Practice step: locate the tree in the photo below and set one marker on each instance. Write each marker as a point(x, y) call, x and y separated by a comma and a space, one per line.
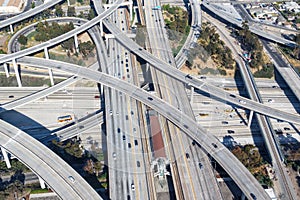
point(71, 11)
point(33, 5)
point(22, 39)
point(85, 48)
point(58, 11)
point(98, 167)
point(91, 14)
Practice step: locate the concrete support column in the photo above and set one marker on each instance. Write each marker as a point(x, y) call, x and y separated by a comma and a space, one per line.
point(49, 70)
point(102, 90)
point(42, 183)
point(6, 69)
point(6, 159)
point(101, 27)
point(250, 118)
point(11, 28)
point(192, 94)
point(130, 9)
point(76, 43)
point(46, 53)
point(17, 73)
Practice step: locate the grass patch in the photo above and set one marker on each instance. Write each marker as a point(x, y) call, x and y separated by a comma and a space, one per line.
point(39, 191)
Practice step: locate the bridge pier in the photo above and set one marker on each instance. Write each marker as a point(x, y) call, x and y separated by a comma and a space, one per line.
point(11, 28)
point(6, 158)
point(42, 183)
point(192, 95)
point(101, 27)
point(6, 69)
point(250, 118)
point(17, 73)
point(76, 44)
point(131, 9)
point(49, 69)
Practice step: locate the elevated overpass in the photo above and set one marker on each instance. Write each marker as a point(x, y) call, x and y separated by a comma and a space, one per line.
point(221, 154)
point(62, 178)
point(29, 13)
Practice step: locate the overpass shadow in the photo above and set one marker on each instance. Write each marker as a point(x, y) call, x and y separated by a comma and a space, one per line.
point(70, 150)
point(241, 87)
point(287, 91)
point(24, 123)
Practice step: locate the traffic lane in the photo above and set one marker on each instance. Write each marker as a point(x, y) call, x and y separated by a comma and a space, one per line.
point(62, 37)
point(197, 83)
point(188, 125)
point(41, 161)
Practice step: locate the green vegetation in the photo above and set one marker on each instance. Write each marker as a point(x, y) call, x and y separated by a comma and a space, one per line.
point(22, 40)
point(250, 43)
point(86, 48)
point(39, 191)
point(209, 44)
point(16, 166)
point(71, 11)
point(58, 10)
point(46, 31)
point(253, 161)
point(176, 20)
point(27, 81)
point(91, 14)
point(267, 71)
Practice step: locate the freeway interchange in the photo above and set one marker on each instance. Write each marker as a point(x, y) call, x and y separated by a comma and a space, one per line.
point(119, 106)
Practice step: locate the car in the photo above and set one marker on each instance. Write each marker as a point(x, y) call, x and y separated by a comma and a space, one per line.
point(129, 145)
point(126, 117)
point(274, 86)
point(124, 137)
point(132, 187)
point(189, 76)
point(224, 122)
point(96, 96)
point(150, 98)
point(194, 142)
point(214, 145)
point(187, 155)
point(81, 127)
point(119, 130)
point(72, 179)
point(200, 165)
point(253, 196)
point(114, 155)
point(135, 142)
point(230, 131)
point(270, 100)
point(11, 96)
point(232, 95)
point(286, 128)
point(138, 163)
point(242, 101)
point(202, 77)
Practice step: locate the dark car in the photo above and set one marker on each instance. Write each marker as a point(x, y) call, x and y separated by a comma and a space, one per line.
point(187, 155)
point(214, 145)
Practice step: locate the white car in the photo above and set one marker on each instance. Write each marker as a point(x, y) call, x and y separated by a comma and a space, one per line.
point(72, 179)
point(114, 155)
point(132, 187)
point(270, 100)
point(242, 102)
